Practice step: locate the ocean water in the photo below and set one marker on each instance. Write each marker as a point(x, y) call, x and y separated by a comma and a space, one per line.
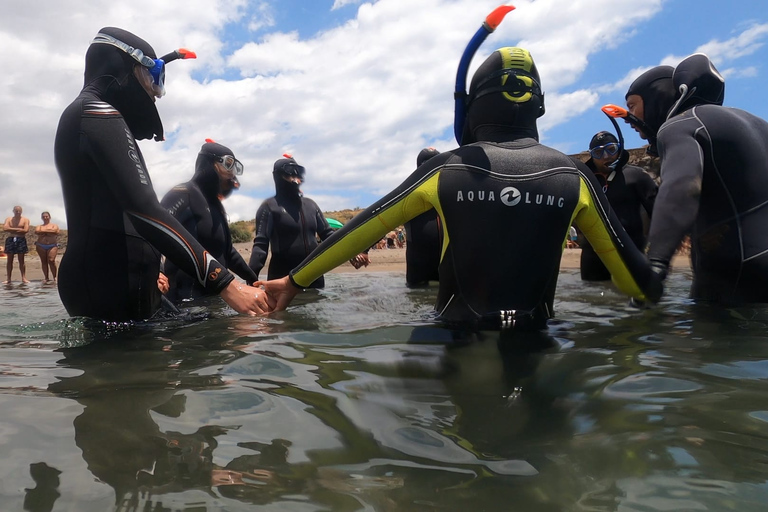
point(353, 400)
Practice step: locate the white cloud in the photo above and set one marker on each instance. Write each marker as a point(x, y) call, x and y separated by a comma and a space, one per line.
point(354, 103)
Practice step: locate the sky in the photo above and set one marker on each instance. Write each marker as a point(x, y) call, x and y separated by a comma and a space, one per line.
point(352, 89)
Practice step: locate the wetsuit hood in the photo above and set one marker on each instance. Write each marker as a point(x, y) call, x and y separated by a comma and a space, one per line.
point(601, 139)
point(697, 82)
point(505, 98)
point(425, 154)
point(658, 93)
point(283, 187)
point(109, 74)
point(206, 176)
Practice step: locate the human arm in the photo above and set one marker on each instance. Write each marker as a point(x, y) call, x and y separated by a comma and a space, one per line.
point(261, 238)
point(677, 202)
point(630, 270)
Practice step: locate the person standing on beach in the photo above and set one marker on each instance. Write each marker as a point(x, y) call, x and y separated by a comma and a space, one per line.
point(628, 189)
point(47, 246)
point(197, 205)
point(117, 227)
point(289, 225)
point(714, 179)
point(506, 204)
point(17, 228)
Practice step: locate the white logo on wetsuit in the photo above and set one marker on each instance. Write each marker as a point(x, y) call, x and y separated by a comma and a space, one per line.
point(510, 196)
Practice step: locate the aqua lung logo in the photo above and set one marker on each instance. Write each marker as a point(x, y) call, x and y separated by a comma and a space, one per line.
point(509, 196)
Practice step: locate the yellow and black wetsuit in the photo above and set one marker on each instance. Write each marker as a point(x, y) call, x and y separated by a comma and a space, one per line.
point(505, 211)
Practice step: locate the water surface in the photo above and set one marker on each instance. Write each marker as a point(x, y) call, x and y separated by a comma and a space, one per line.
point(353, 400)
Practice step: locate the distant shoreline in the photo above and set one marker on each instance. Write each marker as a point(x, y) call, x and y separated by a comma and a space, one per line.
point(382, 260)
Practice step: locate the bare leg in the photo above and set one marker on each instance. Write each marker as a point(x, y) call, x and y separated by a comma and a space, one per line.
point(23, 268)
point(43, 260)
point(9, 268)
point(52, 262)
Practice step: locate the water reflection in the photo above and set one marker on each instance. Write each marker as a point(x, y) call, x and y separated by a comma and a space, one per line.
point(613, 408)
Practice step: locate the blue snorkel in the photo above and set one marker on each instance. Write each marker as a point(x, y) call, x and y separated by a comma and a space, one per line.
point(492, 21)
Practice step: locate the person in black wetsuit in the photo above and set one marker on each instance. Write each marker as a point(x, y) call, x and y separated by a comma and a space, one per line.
point(714, 179)
point(628, 188)
point(505, 202)
point(289, 225)
point(197, 205)
point(117, 227)
point(422, 240)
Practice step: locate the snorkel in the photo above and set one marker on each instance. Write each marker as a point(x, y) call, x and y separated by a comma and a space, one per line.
point(607, 110)
point(615, 111)
point(492, 21)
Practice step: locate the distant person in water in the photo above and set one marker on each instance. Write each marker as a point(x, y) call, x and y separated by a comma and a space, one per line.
point(628, 189)
point(506, 204)
point(117, 228)
point(197, 205)
point(714, 179)
point(423, 242)
point(289, 224)
point(17, 228)
point(47, 246)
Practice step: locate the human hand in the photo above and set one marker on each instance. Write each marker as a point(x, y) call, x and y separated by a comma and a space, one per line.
point(248, 300)
point(280, 291)
point(163, 284)
point(361, 260)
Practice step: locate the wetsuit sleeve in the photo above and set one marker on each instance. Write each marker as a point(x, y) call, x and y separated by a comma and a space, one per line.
point(238, 265)
point(646, 191)
point(261, 239)
point(324, 230)
point(630, 270)
point(414, 196)
point(113, 148)
point(677, 204)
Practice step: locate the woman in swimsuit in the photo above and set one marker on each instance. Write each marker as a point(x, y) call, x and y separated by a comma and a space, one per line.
point(47, 246)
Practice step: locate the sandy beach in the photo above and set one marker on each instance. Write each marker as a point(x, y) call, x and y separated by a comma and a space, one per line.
point(382, 260)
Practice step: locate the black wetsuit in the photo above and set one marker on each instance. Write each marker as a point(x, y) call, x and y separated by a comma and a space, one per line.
point(714, 185)
point(117, 227)
point(506, 209)
point(423, 246)
point(197, 206)
point(287, 224)
point(629, 189)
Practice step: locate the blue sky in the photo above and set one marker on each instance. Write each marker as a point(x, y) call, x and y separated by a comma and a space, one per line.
point(352, 89)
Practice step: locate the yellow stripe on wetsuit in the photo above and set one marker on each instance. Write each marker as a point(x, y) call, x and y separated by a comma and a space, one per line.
point(381, 222)
point(587, 217)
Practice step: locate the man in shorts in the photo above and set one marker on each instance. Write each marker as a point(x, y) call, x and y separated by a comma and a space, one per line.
point(16, 242)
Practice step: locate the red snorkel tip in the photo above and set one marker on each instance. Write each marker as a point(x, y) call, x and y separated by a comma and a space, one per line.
point(614, 111)
point(210, 141)
point(287, 155)
point(186, 54)
point(494, 19)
